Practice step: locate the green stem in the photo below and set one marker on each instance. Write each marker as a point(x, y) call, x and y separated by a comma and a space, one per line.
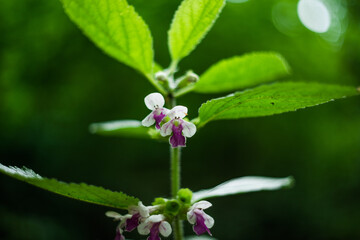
point(175, 171)
point(156, 84)
point(175, 154)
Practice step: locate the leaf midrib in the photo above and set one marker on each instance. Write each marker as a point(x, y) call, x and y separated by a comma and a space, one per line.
point(245, 101)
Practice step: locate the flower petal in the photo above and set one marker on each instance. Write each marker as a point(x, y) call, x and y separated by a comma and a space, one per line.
point(132, 222)
point(178, 111)
point(165, 228)
point(154, 100)
point(166, 129)
point(154, 232)
point(189, 129)
point(113, 214)
point(156, 218)
point(200, 226)
point(191, 217)
point(202, 205)
point(177, 139)
point(144, 228)
point(149, 120)
point(119, 235)
point(209, 221)
point(144, 211)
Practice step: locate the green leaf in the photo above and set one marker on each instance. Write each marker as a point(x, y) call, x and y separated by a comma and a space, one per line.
point(244, 185)
point(125, 128)
point(191, 22)
point(241, 72)
point(271, 99)
point(82, 191)
point(115, 27)
point(199, 238)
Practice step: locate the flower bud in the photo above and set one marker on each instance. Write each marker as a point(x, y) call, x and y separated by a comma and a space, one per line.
point(192, 77)
point(185, 195)
point(161, 76)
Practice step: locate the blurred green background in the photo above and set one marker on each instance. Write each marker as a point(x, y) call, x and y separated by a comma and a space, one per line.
point(54, 82)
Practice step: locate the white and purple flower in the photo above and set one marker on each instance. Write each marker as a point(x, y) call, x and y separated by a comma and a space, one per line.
point(120, 228)
point(130, 221)
point(201, 221)
point(155, 225)
point(155, 102)
point(179, 128)
point(137, 213)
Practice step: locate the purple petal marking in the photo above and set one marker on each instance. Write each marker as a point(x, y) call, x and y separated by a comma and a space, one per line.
point(177, 139)
point(154, 232)
point(132, 222)
point(158, 117)
point(118, 235)
point(200, 227)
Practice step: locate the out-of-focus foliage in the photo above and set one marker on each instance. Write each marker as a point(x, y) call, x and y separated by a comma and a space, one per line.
point(242, 72)
point(244, 185)
point(54, 82)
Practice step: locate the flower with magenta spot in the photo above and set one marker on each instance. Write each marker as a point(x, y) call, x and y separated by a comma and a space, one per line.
point(179, 128)
point(137, 213)
point(130, 221)
point(155, 102)
point(155, 225)
point(201, 221)
point(122, 225)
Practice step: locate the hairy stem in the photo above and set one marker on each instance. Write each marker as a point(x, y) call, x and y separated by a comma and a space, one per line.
point(175, 156)
point(175, 171)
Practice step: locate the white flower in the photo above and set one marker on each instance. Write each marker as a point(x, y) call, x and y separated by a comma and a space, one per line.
point(155, 102)
point(154, 225)
point(201, 221)
point(179, 128)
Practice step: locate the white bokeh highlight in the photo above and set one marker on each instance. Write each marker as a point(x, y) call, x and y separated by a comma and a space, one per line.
point(314, 15)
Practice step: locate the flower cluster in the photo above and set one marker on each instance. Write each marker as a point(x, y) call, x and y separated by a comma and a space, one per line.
point(169, 122)
point(139, 217)
point(148, 223)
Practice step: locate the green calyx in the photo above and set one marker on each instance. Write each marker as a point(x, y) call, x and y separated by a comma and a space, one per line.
point(175, 207)
point(172, 207)
point(185, 195)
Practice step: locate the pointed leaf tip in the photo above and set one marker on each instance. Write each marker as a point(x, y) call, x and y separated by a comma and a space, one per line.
point(191, 22)
point(82, 191)
point(241, 72)
point(116, 28)
point(271, 99)
point(244, 185)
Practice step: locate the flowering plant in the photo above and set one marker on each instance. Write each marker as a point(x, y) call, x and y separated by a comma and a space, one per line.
point(115, 27)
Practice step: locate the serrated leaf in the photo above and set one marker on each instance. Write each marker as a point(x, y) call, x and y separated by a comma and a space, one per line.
point(191, 22)
point(244, 185)
point(82, 191)
point(271, 99)
point(115, 27)
point(241, 72)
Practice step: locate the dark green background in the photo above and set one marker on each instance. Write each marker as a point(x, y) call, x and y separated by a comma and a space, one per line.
point(54, 82)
